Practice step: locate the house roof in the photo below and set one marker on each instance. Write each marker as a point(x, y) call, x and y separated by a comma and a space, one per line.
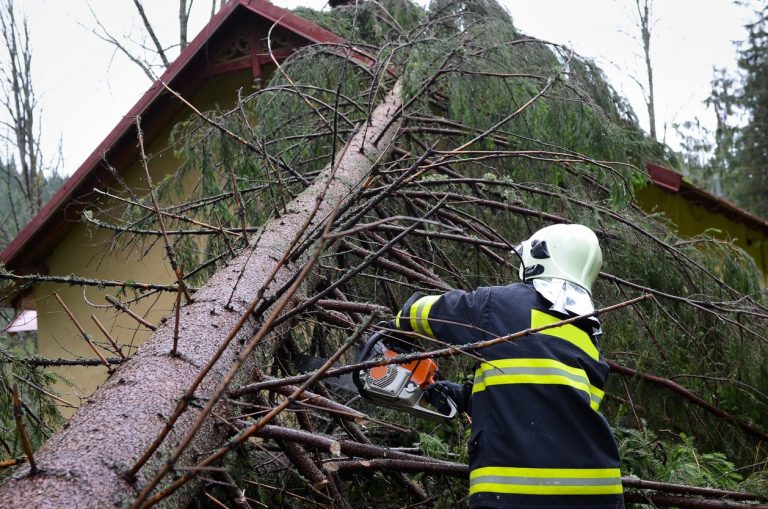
point(30, 247)
point(674, 182)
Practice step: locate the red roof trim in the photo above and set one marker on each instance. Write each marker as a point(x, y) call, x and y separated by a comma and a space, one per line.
point(291, 21)
point(673, 181)
point(36, 227)
point(664, 177)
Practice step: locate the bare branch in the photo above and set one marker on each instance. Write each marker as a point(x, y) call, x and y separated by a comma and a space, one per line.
point(151, 31)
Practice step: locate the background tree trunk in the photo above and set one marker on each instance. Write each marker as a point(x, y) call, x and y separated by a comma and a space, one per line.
point(26, 180)
point(644, 22)
point(84, 465)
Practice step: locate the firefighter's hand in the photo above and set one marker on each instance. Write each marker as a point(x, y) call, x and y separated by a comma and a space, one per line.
point(394, 338)
point(438, 394)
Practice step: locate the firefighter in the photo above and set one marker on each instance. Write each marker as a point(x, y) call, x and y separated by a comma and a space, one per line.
point(538, 440)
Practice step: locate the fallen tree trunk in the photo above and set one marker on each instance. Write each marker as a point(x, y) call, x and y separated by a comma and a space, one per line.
point(86, 463)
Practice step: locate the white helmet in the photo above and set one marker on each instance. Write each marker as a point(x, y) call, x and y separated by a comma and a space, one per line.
point(564, 251)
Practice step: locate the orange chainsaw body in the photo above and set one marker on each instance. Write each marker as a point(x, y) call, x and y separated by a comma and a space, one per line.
point(398, 386)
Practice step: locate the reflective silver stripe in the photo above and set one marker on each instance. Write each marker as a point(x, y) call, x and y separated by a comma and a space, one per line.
point(418, 315)
point(485, 375)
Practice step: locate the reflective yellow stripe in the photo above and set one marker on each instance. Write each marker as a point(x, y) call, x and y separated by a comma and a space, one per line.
point(419, 314)
point(548, 473)
point(525, 489)
point(535, 371)
point(546, 481)
point(567, 332)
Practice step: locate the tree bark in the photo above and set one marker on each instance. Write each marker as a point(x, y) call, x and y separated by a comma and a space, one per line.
point(84, 464)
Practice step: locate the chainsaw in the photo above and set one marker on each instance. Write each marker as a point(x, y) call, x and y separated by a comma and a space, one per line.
point(398, 386)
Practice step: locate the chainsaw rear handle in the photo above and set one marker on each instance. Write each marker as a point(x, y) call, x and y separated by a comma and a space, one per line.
point(445, 395)
point(448, 410)
point(365, 354)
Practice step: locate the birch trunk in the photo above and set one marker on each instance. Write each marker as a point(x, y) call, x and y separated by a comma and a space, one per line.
point(84, 464)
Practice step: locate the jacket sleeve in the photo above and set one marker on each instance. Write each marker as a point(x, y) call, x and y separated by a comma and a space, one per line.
point(454, 317)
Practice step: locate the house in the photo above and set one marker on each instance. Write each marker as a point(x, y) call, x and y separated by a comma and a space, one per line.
point(695, 211)
point(229, 54)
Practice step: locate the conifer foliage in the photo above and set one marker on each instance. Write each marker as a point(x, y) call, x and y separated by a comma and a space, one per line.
point(730, 161)
point(752, 149)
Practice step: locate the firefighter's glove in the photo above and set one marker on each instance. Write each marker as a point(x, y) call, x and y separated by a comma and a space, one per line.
point(438, 394)
point(394, 339)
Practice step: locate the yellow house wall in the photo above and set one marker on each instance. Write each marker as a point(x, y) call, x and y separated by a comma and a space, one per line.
point(692, 219)
point(92, 252)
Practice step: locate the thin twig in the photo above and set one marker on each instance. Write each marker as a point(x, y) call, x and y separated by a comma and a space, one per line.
point(41, 362)
point(82, 281)
point(205, 227)
point(176, 323)
point(239, 204)
point(43, 391)
point(215, 500)
point(85, 335)
point(18, 414)
point(11, 463)
point(161, 223)
point(122, 307)
point(109, 337)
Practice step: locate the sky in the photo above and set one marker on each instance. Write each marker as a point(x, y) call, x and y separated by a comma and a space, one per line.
point(84, 86)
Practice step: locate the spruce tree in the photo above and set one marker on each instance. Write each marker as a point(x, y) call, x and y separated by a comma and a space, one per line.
point(750, 163)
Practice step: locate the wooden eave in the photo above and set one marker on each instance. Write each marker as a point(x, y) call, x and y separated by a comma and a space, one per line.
point(156, 107)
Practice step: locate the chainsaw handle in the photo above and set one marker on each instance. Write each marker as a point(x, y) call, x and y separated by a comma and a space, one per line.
point(383, 333)
point(453, 408)
point(366, 352)
point(364, 355)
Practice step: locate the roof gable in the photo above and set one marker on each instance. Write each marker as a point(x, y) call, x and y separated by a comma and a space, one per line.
point(194, 64)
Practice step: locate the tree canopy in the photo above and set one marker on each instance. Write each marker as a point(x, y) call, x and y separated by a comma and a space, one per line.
point(752, 139)
point(731, 160)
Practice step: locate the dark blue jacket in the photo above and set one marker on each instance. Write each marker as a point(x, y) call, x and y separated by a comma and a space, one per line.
point(538, 440)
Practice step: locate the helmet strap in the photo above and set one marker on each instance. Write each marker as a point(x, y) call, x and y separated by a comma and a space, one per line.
point(533, 270)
